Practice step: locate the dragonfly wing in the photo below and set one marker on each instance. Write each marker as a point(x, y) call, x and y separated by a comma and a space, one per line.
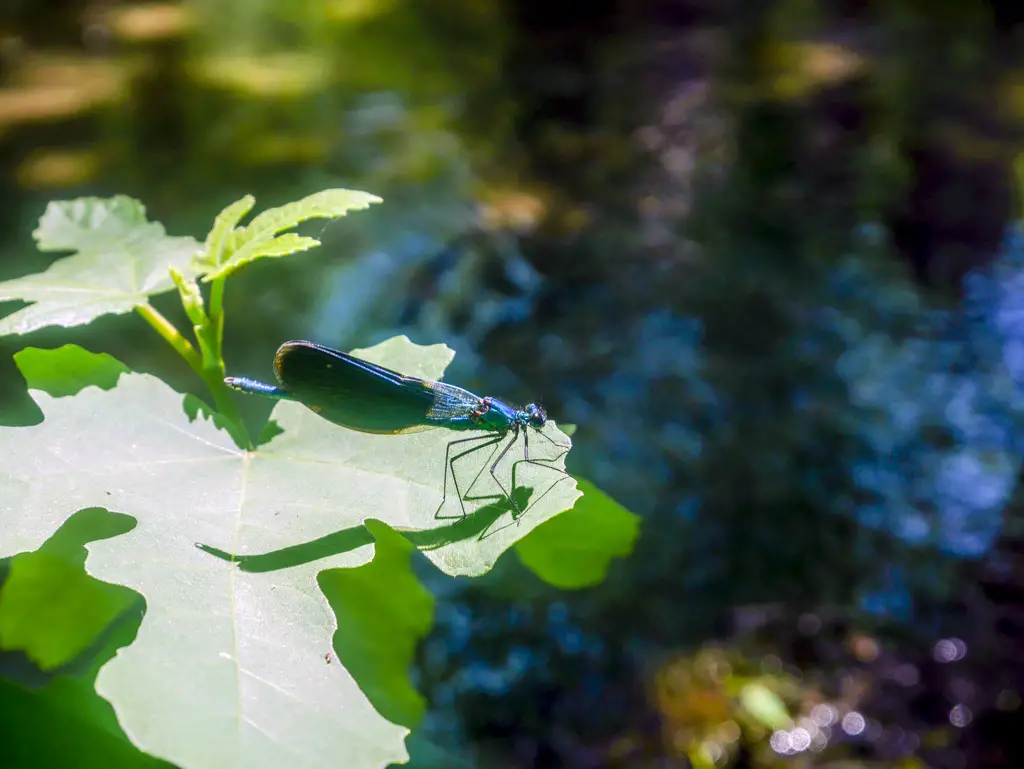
point(352, 392)
point(451, 402)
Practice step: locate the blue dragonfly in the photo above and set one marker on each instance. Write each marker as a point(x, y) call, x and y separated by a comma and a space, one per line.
point(363, 396)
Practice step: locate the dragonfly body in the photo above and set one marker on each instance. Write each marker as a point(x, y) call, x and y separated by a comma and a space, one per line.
point(363, 396)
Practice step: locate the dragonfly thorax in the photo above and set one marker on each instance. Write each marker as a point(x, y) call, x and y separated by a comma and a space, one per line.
point(493, 414)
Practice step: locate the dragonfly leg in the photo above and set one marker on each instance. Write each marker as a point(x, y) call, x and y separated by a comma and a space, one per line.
point(539, 463)
point(515, 435)
point(449, 464)
point(554, 443)
point(542, 462)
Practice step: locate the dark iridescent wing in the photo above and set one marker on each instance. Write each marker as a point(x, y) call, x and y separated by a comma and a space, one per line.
point(355, 393)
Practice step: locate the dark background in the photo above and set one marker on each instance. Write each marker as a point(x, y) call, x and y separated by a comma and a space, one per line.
point(762, 253)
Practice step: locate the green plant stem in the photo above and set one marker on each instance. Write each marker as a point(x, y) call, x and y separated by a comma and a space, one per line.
point(172, 336)
point(213, 376)
point(217, 312)
point(215, 379)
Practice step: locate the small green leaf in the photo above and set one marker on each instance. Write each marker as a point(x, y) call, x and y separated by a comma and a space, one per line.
point(765, 706)
point(282, 245)
point(121, 260)
point(575, 549)
point(66, 370)
point(326, 204)
point(383, 612)
point(260, 237)
point(223, 226)
point(191, 299)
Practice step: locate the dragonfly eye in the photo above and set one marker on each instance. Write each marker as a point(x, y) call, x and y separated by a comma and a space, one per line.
point(536, 415)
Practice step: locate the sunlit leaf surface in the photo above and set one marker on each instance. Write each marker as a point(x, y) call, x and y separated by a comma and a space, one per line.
point(120, 260)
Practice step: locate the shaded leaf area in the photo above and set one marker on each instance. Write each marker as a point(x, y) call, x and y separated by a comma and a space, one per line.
point(383, 611)
point(241, 617)
point(50, 609)
point(120, 260)
point(60, 720)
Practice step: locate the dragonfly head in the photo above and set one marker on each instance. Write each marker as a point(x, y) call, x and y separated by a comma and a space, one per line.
point(535, 416)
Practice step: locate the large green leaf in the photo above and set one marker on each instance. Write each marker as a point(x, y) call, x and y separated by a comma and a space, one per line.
point(228, 668)
point(121, 260)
